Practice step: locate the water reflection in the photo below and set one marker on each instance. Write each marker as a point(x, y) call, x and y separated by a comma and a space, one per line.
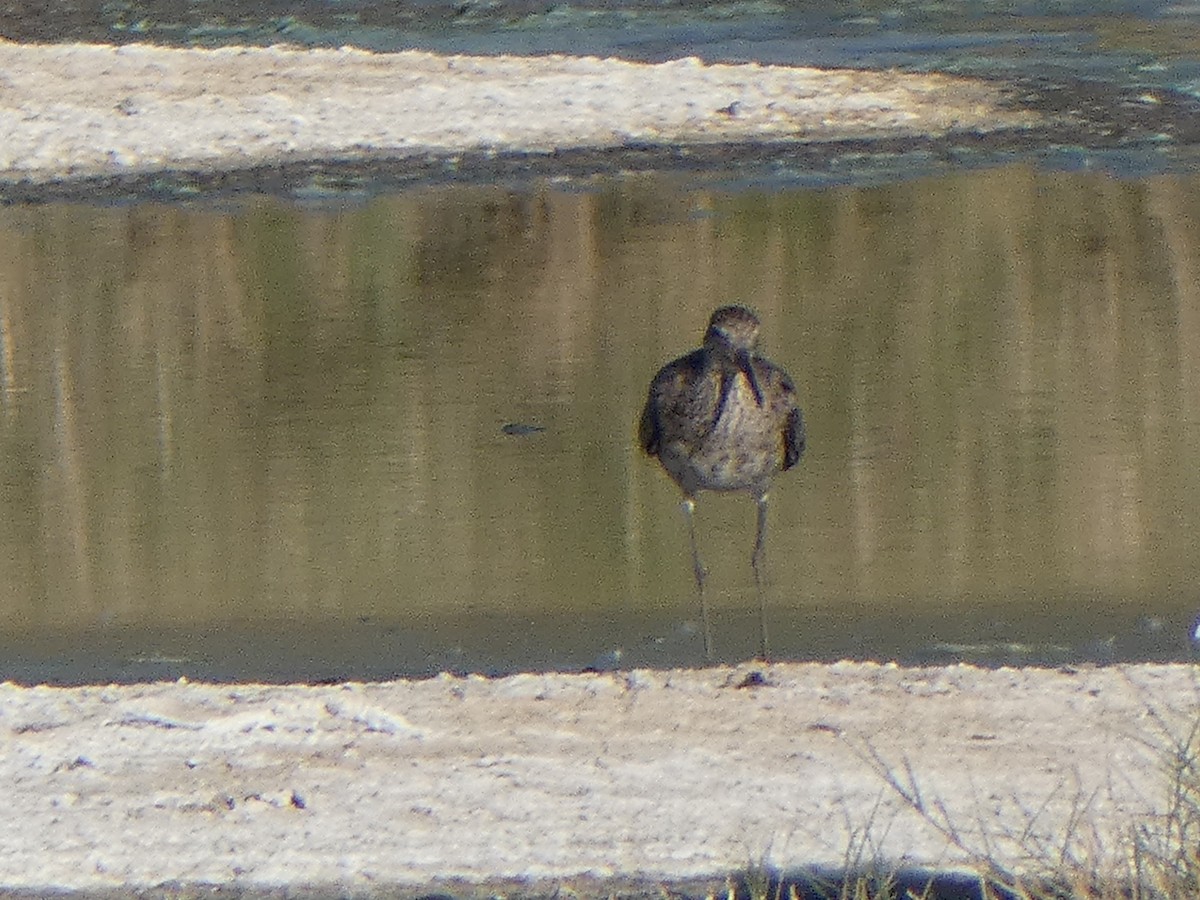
point(271, 441)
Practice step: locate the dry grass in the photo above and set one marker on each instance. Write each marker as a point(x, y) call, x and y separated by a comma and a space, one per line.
point(1159, 858)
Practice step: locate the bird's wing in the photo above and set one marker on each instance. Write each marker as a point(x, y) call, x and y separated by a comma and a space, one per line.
point(668, 391)
point(650, 428)
point(787, 408)
point(793, 438)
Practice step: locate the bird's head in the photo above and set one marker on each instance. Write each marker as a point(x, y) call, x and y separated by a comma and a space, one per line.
point(733, 332)
point(732, 329)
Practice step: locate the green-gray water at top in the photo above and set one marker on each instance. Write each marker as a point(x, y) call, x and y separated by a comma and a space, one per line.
point(270, 441)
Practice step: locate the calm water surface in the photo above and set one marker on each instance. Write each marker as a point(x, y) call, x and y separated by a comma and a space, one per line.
point(269, 441)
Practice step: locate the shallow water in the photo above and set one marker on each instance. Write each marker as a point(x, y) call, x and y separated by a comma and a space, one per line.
point(378, 429)
point(275, 441)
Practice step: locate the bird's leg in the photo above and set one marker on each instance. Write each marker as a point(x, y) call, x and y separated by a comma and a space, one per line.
point(689, 509)
point(756, 560)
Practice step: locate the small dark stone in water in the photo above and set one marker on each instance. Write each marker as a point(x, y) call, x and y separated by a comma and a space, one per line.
point(605, 662)
point(521, 429)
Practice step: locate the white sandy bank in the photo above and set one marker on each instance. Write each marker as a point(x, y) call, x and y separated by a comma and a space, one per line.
point(76, 110)
point(554, 777)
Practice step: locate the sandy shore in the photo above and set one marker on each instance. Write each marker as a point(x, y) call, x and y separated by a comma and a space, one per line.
point(564, 781)
point(76, 110)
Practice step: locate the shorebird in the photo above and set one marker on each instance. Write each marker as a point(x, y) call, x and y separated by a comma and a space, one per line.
point(723, 418)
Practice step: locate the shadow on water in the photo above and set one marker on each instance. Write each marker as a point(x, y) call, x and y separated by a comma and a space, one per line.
point(824, 883)
point(817, 883)
point(284, 443)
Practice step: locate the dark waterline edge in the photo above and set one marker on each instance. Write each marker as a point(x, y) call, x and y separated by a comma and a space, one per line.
point(498, 644)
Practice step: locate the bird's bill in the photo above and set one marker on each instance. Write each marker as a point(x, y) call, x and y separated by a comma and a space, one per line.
point(747, 366)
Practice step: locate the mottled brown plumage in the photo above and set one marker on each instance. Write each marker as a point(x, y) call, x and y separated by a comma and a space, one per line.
point(723, 418)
